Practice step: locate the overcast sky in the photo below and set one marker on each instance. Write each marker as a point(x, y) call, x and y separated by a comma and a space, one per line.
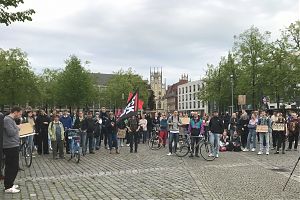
point(181, 36)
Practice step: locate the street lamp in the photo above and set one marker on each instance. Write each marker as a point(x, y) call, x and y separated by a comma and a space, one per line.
point(231, 79)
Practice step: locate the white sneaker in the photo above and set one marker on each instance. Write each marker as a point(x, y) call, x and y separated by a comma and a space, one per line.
point(12, 190)
point(15, 186)
point(210, 155)
point(267, 153)
point(245, 150)
point(253, 149)
point(169, 154)
point(259, 153)
point(128, 145)
point(217, 155)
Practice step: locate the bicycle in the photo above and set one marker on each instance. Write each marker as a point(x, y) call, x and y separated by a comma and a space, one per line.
point(74, 144)
point(155, 142)
point(26, 150)
point(205, 148)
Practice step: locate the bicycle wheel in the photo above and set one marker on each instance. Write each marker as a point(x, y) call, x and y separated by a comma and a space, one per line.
point(206, 151)
point(28, 155)
point(155, 142)
point(183, 150)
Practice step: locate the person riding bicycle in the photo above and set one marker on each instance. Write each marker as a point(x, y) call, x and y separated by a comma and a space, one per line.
point(194, 131)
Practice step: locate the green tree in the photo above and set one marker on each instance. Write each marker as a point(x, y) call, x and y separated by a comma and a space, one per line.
point(75, 87)
point(7, 17)
point(17, 80)
point(121, 84)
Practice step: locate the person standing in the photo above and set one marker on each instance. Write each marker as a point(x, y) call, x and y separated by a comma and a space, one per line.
point(281, 134)
point(132, 127)
point(112, 133)
point(56, 133)
point(293, 132)
point(274, 118)
point(11, 143)
point(163, 132)
point(104, 133)
point(78, 124)
point(216, 128)
point(264, 120)
point(66, 121)
point(174, 123)
point(252, 133)
point(195, 130)
point(233, 125)
point(98, 127)
point(243, 128)
point(89, 128)
point(42, 123)
point(143, 128)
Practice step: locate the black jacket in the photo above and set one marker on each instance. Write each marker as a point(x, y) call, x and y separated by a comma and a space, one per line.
point(40, 126)
point(216, 125)
point(111, 126)
point(89, 125)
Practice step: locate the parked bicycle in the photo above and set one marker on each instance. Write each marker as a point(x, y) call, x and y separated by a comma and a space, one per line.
point(74, 144)
point(26, 148)
point(205, 148)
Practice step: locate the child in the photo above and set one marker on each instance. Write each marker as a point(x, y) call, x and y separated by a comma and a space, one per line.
point(56, 133)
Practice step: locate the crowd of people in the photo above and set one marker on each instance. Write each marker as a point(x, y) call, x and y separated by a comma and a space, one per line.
point(240, 131)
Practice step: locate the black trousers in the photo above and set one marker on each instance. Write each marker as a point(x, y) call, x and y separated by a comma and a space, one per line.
point(293, 137)
point(67, 142)
point(195, 141)
point(11, 166)
point(58, 145)
point(280, 140)
point(244, 136)
point(104, 134)
point(274, 138)
point(134, 138)
point(43, 146)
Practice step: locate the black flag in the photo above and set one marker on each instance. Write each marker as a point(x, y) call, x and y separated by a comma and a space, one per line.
point(131, 108)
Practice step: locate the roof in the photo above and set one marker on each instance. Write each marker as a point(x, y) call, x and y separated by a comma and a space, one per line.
point(102, 79)
point(172, 90)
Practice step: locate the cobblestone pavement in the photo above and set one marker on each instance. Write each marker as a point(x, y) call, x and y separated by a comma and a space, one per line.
point(154, 175)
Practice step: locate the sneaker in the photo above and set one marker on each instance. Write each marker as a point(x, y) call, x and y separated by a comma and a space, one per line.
point(267, 153)
point(210, 155)
point(15, 186)
point(12, 190)
point(128, 145)
point(283, 152)
point(217, 155)
point(197, 155)
point(169, 154)
point(253, 149)
point(191, 156)
point(277, 152)
point(122, 145)
point(245, 150)
point(259, 153)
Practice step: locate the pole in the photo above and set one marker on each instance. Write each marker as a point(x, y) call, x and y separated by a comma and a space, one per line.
point(291, 174)
point(231, 78)
point(1, 145)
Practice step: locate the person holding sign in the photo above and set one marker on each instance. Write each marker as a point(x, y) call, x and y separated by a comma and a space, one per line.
point(264, 125)
point(279, 127)
point(11, 143)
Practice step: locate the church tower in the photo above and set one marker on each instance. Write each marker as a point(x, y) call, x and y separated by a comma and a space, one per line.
point(159, 88)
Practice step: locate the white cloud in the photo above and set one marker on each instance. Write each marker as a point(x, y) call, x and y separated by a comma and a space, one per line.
point(180, 36)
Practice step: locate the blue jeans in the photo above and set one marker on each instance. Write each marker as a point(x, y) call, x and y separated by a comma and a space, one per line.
point(251, 137)
point(173, 137)
point(112, 141)
point(214, 139)
point(97, 142)
point(145, 133)
point(90, 141)
point(267, 137)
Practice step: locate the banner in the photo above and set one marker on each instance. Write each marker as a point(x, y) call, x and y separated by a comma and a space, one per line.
point(131, 108)
point(242, 100)
point(262, 129)
point(121, 133)
point(185, 120)
point(278, 127)
point(25, 129)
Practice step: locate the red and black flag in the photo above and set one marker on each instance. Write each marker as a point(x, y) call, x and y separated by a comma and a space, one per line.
point(131, 107)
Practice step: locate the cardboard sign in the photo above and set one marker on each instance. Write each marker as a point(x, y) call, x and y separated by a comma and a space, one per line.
point(185, 120)
point(262, 129)
point(121, 133)
point(278, 127)
point(242, 100)
point(25, 129)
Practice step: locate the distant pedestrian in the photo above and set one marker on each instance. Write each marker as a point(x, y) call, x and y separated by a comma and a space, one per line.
point(56, 133)
point(133, 126)
point(216, 128)
point(42, 123)
point(174, 123)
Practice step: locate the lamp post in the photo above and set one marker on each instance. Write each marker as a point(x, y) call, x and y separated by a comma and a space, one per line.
point(231, 79)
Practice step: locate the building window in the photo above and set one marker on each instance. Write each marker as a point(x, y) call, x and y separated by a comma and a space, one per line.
point(182, 90)
point(179, 98)
point(202, 85)
point(190, 97)
point(182, 105)
point(199, 104)
point(194, 104)
point(190, 105)
point(186, 90)
point(186, 97)
point(194, 88)
point(179, 91)
point(202, 104)
point(179, 106)
point(159, 105)
point(194, 96)
point(187, 106)
point(190, 88)
point(198, 88)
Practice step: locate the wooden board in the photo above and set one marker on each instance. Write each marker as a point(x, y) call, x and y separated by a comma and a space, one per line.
point(278, 127)
point(262, 129)
point(25, 129)
point(242, 100)
point(185, 120)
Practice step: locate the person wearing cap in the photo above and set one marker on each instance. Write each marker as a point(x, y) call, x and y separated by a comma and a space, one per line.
point(216, 128)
